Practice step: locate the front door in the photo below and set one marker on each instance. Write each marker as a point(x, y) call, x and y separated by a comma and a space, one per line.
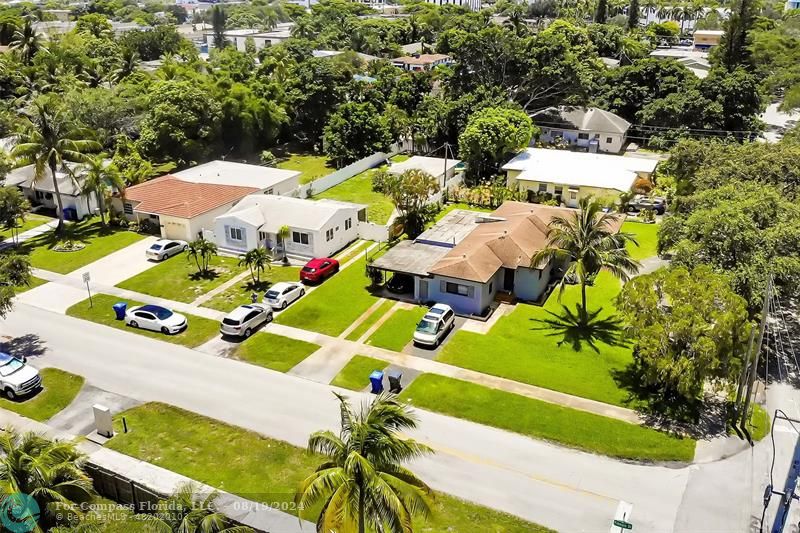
point(508, 279)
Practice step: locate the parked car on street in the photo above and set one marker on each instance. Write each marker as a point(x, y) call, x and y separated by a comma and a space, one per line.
point(280, 295)
point(435, 325)
point(400, 284)
point(17, 378)
point(319, 269)
point(243, 321)
point(155, 318)
point(165, 248)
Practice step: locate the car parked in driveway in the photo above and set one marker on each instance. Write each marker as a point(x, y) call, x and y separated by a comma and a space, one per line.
point(243, 321)
point(155, 318)
point(435, 325)
point(319, 269)
point(165, 248)
point(17, 378)
point(280, 295)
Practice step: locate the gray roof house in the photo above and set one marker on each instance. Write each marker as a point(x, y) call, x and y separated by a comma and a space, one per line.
point(595, 129)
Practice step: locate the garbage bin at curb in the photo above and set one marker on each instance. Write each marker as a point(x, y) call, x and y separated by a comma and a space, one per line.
point(119, 310)
point(376, 379)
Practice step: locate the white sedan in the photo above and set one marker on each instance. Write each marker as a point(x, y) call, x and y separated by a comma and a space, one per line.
point(282, 294)
point(242, 321)
point(155, 318)
point(165, 248)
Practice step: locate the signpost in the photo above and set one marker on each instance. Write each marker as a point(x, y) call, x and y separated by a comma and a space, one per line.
point(86, 279)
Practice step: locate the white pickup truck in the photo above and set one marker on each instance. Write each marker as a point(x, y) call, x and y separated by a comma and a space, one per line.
point(16, 377)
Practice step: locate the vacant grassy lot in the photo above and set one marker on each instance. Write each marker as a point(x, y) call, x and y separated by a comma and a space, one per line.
point(177, 278)
point(199, 331)
point(32, 220)
point(274, 351)
point(333, 306)
point(311, 166)
point(99, 242)
point(59, 388)
point(355, 374)
point(370, 320)
point(271, 470)
point(543, 420)
point(358, 189)
point(646, 236)
point(239, 293)
point(398, 329)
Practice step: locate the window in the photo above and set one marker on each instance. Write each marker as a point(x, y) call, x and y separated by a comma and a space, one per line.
point(542, 187)
point(348, 224)
point(127, 207)
point(609, 140)
point(235, 234)
point(329, 234)
point(583, 136)
point(456, 288)
point(300, 238)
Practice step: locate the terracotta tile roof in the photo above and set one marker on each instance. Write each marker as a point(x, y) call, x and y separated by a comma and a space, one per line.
point(171, 196)
point(511, 241)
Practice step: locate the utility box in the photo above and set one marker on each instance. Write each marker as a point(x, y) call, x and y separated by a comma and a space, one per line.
point(102, 420)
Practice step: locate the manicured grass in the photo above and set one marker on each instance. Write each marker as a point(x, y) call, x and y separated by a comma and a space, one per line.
point(358, 189)
point(537, 345)
point(99, 242)
point(274, 351)
point(370, 320)
point(543, 420)
point(270, 470)
point(647, 237)
point(32, 220)
point(398, 329)
point(199, 331)
point(35, 282)
point(333, 306)
point(177, 278)
point(239, 293)
point(355, 374)
point(312, 166)
point(59, 388)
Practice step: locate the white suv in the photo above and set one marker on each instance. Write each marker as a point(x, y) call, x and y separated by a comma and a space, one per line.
point(242, 321)
point(16, 377)
point(435, 325)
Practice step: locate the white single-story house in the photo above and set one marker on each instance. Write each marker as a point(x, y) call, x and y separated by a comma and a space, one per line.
point(77, 205)
point(317, 228)
point(568, 176)
point(444, 170)
point(468, 257)
point(589, 127)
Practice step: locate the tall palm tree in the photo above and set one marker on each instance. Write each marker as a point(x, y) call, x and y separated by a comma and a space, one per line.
point(363, 482)
point(26, 41)
point(49, 141)
point(49, 471)
point(97, 176)
point(588, 242)
point(257, 260)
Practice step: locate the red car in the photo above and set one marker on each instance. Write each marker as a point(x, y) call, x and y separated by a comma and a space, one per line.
point(319, 269)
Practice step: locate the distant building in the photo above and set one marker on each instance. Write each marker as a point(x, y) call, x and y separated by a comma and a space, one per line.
point(587, 127)
point(420, 62)
point(706, 39)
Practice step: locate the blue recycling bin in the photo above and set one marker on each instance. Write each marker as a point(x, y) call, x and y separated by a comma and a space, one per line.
point(376, 379)
point(119, 310)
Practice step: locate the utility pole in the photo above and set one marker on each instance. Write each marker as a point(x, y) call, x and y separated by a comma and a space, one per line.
point(754, 368)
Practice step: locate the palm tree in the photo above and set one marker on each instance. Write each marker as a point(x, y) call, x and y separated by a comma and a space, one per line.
point(201, 251)
point(187, 512)
point(97, 176)
point(282, 235)
point(257, 260)
point(587, 241)
point(49, 471)
point(26, 41)
point(362, 481)
point(49, 141)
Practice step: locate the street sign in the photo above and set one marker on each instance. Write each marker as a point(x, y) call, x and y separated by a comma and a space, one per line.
point(623, 524)
point(86, 277)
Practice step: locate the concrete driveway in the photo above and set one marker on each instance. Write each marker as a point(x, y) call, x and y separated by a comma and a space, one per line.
point(120, 265)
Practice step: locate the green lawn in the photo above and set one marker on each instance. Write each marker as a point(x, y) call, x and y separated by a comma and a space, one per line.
point(199, 331)
point(355, 374)
point(543, 420)
point(32, 220)
point(646, 236)
point(311, 166)
point(537, 345)
point(240, 292)
point(177, 279)
point(398, 329)
point(274, 351)
point(358, 189)
point(59, 388)
point(270, 470)
point(333, 306)
point(99, 242)
point(370, 320)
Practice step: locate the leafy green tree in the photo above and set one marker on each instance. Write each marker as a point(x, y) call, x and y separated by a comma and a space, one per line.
point(363, 483)
point(688, 328)
point(354, 131)
point(99, 177)
point(13, 208)
point(201, 251)
point(411, 192)
point(256, 260)
point(587, 242)
point(491, 136)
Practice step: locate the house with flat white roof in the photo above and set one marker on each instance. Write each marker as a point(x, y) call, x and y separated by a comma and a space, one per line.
point(440, 168)
point(270, 180)
point(568, 176)
point(317, 228)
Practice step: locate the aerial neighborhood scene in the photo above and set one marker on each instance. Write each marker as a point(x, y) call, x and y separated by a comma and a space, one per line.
point(399, 266)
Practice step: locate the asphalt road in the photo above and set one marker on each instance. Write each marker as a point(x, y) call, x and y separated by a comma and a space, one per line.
point(561, 488)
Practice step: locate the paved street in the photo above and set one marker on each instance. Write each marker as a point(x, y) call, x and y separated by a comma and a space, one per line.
point(561, 488)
